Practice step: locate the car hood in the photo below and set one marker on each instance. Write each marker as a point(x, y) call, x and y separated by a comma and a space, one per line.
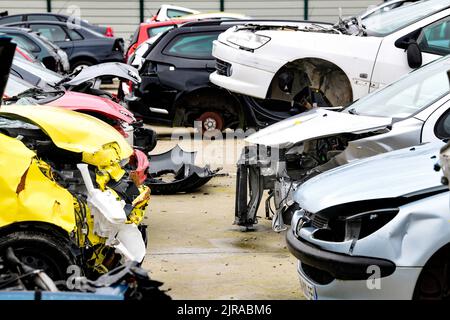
point(68, 131)
point(116, 69)
point(390, 175)
point(88, 103)
point(315, 124)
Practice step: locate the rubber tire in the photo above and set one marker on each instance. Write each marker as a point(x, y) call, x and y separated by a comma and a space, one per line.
point(54, 250)
point(435, 275)
point(80, 63)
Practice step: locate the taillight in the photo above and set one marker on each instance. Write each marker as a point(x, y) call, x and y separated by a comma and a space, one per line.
point(131, 50)
point(109, 32)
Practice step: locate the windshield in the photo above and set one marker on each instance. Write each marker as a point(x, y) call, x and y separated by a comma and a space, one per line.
point(408, 95)
point(16, 86)
point(390, 21)
point(45, 74)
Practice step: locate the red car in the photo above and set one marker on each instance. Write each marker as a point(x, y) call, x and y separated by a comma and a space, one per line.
point(148, 30)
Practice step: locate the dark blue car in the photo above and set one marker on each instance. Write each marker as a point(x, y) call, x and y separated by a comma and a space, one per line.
point(84, 47)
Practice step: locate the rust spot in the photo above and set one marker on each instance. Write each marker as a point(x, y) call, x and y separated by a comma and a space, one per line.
point(21, 184)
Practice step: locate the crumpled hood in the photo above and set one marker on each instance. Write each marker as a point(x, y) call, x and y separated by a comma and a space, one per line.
point(72, 131)
point(388, 175)
point(117, 69)
point(315, 124)
point(86, 102)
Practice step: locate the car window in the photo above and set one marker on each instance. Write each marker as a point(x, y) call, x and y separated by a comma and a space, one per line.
point(51, 32)
point(174, 13)
point(196, 46)
point(73, 34)
point(409, 95)
point(24, 42)
point(151, 32)
point(435, 38)
point(388, 22)
point(11, 19)
point(41, 17)
point(388, 7)
point(442, 129)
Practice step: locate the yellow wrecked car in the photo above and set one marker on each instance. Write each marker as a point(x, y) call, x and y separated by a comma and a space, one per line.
point(66, 195)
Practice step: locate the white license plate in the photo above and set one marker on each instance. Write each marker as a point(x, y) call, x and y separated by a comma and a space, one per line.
point(308, 289)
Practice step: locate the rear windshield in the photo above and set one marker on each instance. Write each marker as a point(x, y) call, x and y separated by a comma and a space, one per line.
point(151, 32)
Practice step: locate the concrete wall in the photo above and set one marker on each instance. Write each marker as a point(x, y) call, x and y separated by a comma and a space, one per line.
point(124, 16)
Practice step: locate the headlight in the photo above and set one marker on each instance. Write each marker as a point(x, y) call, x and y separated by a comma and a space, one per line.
point(298, 221)
point(248, 40)
point(364, 224)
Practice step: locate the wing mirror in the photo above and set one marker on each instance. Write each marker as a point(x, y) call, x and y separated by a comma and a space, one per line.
point(414, 55)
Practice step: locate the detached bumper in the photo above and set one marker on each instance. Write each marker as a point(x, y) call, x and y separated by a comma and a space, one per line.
point(339, 266)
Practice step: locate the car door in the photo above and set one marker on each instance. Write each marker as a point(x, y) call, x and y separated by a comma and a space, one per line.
point(185, 63)
point(56, 34)
point(433, 38)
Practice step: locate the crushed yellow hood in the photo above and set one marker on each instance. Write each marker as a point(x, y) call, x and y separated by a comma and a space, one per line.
point(70, 130)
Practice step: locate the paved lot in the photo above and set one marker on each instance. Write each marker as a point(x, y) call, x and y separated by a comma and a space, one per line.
point(197, 252)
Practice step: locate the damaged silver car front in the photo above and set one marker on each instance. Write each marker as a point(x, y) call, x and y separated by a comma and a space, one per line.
point(408, 112)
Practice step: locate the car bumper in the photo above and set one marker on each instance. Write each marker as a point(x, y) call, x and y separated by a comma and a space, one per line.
point(398, 286)
point(247, 76)
point(339, 266)
point(350, 277)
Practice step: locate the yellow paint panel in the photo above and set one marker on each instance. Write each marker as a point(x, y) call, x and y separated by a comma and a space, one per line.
point(39, 198)
point(70, 130)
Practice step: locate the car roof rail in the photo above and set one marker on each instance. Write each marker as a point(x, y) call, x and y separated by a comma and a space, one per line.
point(220, 22)
point(4, 13)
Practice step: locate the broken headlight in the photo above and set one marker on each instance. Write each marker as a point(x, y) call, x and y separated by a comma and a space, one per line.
point(248, 40)
point(363, 224)
point(353, 227)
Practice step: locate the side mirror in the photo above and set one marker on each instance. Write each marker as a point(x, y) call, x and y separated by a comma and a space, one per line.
point(414, 55)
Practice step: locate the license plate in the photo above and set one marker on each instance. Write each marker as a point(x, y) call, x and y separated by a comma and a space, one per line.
point(308, 289)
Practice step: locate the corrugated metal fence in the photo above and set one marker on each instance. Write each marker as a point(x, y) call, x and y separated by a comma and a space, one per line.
point(124, 16)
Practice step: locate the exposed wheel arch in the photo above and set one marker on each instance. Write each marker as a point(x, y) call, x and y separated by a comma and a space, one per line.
point(315, 73)
point(191, 105)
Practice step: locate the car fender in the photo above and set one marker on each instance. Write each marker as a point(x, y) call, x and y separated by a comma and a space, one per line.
point(27, 194)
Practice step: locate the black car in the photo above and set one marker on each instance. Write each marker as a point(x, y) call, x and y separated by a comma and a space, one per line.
point(83, 46)
point(39, 47)
point(175, 88)
point(6, 19)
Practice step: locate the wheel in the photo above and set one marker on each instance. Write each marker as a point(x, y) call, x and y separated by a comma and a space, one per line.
point(434, 280)
point(81, 64)
point(211, 121)
point(40, 250)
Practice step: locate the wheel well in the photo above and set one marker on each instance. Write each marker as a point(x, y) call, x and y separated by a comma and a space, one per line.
point(190, 105)
point(315, 73)
point(438, 259)
point(48, 228)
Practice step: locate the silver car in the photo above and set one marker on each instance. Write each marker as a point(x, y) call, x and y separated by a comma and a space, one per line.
point(377, 228)
point(413, 110)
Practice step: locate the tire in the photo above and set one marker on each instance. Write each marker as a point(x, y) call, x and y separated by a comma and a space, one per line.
point(40, 250)
point(434, 280)
point(80, 63)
